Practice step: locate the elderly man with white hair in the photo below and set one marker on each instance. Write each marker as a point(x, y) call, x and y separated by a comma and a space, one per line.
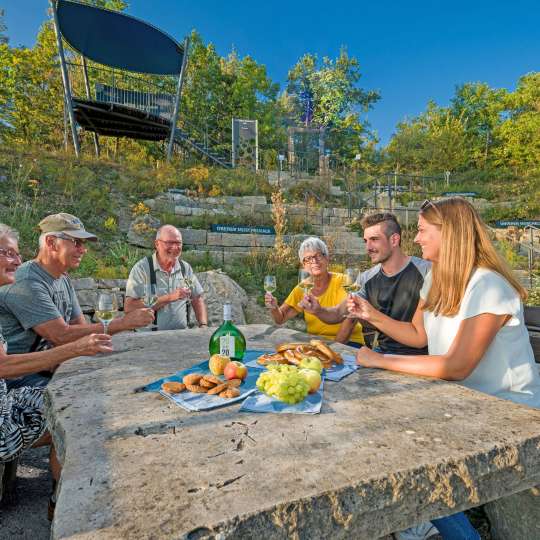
point(40, 308)
point(177, 286)
point(327, 288)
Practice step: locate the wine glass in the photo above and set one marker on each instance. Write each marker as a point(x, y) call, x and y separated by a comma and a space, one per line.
point(150, 298)
point(350, 283)
point(107, 306)
point(270, 284)
point(305, 281)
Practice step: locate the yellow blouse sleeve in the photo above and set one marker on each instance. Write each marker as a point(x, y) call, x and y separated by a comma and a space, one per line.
point(294, 298)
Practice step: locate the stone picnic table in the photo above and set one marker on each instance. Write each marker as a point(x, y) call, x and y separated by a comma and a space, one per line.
point(387, 451)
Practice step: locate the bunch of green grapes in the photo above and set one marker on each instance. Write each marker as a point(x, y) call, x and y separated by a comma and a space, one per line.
point(286, 385)
point(282, 368)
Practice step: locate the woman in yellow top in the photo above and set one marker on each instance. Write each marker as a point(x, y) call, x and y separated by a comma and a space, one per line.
point(327, 288)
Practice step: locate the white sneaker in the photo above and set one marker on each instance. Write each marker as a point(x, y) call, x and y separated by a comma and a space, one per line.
point(418, 532)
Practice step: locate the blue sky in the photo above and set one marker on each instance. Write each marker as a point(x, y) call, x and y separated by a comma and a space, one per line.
point(409, 51)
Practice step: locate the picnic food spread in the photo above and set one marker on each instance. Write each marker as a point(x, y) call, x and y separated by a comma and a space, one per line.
point(200, 383)
point(296, 353)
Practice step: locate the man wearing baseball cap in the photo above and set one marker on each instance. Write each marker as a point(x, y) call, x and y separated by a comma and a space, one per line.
point(41, 308)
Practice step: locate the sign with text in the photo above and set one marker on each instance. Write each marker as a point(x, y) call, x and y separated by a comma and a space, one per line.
point(460, 194)
point(242, 229)
point(517, 223)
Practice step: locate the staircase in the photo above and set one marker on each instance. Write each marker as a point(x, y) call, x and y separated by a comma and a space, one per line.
point(195, 140)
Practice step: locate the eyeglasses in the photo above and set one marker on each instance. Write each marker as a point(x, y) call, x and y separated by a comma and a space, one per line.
point(171, 243)
point(10, 254)
point(77, 241)
point(313, 258)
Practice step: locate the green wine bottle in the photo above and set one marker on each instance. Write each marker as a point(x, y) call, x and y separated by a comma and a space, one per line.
point(227, 340)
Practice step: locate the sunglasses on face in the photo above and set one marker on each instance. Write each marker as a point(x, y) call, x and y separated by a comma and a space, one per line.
point(10, 254)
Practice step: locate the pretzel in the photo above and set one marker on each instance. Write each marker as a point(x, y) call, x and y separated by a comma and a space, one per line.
point(291, 357)
point(324, 348)
point(287, 346)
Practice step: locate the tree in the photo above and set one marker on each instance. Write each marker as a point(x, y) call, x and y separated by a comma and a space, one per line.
point(326, 94)
point(518, 134)
point(218, 89)
point(480, 107)
point(435, 141)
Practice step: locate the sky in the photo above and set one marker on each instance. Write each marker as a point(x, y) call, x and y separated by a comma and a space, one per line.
point(410, 52)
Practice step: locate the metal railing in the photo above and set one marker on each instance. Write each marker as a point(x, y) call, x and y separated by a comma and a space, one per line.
point(147, 93)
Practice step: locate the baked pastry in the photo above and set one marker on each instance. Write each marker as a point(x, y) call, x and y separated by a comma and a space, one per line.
point(212, 379)
point(206, 384)
point(291, 357)
point(196, 389)
point(192, 378)
point(234, 383)
point(230, 393)
point(276, 358)
point(286, 346)
point(173, 387)
point(218, 389)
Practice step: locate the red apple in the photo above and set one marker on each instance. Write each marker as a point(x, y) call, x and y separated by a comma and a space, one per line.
point(235, 370)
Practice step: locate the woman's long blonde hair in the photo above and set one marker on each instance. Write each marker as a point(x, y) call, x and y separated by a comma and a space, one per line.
point(465, 246)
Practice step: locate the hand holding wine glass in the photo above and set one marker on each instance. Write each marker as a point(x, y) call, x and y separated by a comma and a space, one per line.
point(350, 284)
point(107, 306)
point(270, 287)
point(150, 298)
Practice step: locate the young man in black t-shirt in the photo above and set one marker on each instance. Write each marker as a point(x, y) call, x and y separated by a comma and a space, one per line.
point(392, 286)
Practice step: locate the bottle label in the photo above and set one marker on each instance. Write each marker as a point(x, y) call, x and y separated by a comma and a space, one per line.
point(226, 345)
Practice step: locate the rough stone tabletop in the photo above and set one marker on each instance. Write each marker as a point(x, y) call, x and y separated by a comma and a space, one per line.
point(387, 451)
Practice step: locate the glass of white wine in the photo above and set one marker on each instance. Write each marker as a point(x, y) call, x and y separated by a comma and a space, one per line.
point(107, 306)
point(150, 298)
point(270, 284)
point(350, 283)
point(305, 281)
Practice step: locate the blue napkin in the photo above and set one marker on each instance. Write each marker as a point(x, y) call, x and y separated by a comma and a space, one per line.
point(202, 402)
point(340, 371)
point(261, 403)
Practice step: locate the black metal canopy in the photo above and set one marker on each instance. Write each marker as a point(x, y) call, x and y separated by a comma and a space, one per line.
point(118, 40)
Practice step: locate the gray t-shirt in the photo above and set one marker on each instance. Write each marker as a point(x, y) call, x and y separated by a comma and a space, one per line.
point(173, 316)
point(35, 298)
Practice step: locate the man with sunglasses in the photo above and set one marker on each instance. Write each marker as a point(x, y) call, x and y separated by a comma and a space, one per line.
point(41, 308)
point(177, 287)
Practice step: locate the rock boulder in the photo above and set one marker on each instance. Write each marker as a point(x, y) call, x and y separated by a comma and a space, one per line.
point(218, 289)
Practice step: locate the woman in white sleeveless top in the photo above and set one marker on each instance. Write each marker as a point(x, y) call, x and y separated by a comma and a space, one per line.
point(470, 313)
